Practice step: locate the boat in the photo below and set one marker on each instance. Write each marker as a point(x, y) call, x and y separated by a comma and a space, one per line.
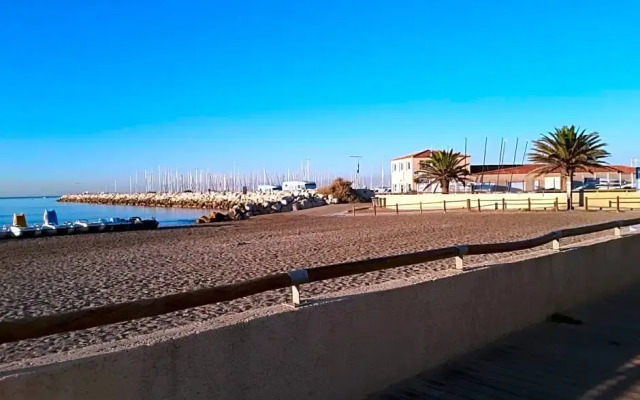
point(20, 229)
point(138, 224)
point(116, 224)
point(50, 225)
point(108, 226)
point(5, 232)
point(84, 226)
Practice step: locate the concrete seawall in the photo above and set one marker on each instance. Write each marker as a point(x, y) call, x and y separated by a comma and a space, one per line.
point(342, 348)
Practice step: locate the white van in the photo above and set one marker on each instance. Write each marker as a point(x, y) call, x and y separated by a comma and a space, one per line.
point(269, 188)
point(298, 186)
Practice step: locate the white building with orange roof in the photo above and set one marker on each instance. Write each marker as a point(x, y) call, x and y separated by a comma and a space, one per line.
point(403, 171)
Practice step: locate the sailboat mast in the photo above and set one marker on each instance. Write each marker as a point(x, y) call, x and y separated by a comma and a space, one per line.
point(502, 142)
point(371, 178)
point(484, 160)
point(382, 173)
point(515, 154)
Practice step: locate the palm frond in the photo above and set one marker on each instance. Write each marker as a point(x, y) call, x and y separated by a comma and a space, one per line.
point(443, 167)
point(567, 150)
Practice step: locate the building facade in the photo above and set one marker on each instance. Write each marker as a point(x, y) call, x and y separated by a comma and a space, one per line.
point(403, 171)
point(509, 178)
point(522, 178)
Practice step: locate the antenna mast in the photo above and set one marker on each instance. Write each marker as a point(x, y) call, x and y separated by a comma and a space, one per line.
point(355, 180)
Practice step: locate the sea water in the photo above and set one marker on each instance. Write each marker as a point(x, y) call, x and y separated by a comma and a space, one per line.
point(33, 208)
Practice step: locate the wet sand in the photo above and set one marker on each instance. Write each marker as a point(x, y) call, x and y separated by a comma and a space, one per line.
point(51, 275)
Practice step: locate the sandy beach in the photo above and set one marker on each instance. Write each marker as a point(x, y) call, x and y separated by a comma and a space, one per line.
point(50, 275)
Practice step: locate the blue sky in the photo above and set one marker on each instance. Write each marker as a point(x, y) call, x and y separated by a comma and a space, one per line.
point(92, 91)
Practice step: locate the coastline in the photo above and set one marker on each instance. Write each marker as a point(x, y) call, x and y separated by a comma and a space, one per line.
point(33, 208)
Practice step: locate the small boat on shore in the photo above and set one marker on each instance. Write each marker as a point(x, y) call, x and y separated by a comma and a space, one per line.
point(84, 226)
point(139, 224)
point(5, 232)
point(50, 225)
point(20, 229)
point(116, 224)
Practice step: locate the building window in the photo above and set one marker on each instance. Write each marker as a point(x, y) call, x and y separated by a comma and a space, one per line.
point(401, 164)
point(408, 187)
point(408, 165)
point(394, 166)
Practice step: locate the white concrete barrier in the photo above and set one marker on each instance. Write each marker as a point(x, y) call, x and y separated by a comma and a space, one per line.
point(486, 201)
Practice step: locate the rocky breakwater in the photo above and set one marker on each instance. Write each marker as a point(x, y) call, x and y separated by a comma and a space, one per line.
point(237, 205)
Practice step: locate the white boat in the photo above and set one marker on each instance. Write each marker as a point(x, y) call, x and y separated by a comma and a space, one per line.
point(50, 225)
point(47, 230)
point(116, 224)
point(20, 229)
point(84, 226)
point(138, 224)
point(112, 224)
point(5, 232)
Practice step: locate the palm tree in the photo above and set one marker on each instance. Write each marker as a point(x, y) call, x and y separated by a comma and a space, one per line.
point(567, 150)
point(443, 167)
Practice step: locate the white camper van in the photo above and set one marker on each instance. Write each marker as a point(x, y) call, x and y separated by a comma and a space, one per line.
point(268, 188)
point(298, 186)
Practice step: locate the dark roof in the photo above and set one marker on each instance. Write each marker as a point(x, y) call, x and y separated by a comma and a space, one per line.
point(476, 169)
point(529, 168)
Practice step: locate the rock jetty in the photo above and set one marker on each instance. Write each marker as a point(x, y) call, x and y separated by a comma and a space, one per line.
point(237, 205)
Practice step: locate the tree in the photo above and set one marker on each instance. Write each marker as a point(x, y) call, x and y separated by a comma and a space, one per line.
point(568, 150)
point(341, 189)
point(443, 167)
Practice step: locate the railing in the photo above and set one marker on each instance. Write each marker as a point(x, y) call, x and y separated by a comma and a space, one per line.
point(616, 203)
point(29, 328)
point(527, 204)
point(514, 191)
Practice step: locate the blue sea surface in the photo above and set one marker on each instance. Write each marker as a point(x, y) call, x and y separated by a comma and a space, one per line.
point(34, 207)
